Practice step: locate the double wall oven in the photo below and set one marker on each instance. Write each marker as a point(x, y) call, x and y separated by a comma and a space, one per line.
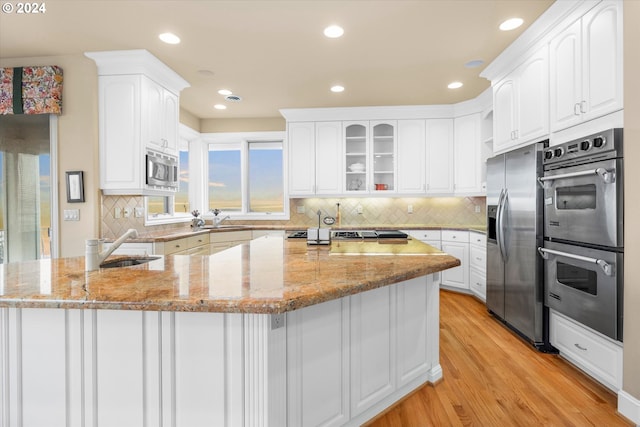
point(583, 230)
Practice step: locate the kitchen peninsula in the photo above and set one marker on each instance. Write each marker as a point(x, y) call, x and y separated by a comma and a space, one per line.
point(270, 332)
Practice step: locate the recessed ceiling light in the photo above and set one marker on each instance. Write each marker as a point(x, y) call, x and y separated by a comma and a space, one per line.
point(337, 88)
point(454, 85)
point(225, 92)
point(169, 38)
point(220, 107)
point(333, 31)
point(475, 63)
point(511, 24)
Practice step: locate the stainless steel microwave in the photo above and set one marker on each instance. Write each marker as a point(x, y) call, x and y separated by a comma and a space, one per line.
point(161, 170)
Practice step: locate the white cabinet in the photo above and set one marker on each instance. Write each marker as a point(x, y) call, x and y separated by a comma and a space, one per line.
point(315, 158)
point(370, 154)
point(597, 355)
point(440, 156)
point(138, 109)
point(478, 264)
point(227, 239)
point(430, 237)
point(302, 158)
point(160, 118)
point(456, 243)
point(467, 155)
point(586, 67)
point(411, 156)
point(192, 245)
point(521, 103)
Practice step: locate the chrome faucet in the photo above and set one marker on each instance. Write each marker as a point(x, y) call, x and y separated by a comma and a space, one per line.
point(217, 221)
point(93, 256)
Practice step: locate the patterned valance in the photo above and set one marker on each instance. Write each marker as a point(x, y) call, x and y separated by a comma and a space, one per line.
point(31, 90)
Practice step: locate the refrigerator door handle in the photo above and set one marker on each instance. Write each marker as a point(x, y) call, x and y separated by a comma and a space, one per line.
point(500, 224)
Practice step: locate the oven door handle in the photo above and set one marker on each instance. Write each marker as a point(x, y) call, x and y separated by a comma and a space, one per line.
point(607, 176)
point(606, 267)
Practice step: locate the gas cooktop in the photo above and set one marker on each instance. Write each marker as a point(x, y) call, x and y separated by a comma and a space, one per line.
point(356, 235)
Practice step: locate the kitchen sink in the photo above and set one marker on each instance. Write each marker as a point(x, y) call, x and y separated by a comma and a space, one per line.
point(128, 262)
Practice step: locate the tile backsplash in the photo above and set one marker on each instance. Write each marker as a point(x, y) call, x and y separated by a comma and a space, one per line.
point(374, 211)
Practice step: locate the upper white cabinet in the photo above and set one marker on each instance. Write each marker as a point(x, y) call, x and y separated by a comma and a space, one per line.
point(439, 160)
point(138, 110)
point(586, 67)
point(521, 103)
point(467, 155)
point(411, 156)
point(315, 158)
point(369, 156)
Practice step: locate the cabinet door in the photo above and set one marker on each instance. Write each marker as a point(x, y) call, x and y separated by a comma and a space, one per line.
point(457, 277)
point(171, 118)
point(121, 159)
point(504, 104)
point(153, 114)
point(411, 156)
point(602, 60)
point(566, 78)
point(533, 97)
point(356, 155)
point(301, 147)
point(383, 156)
point(467, 155)
point(439, 161)
point(328, 140)
point(372, 347)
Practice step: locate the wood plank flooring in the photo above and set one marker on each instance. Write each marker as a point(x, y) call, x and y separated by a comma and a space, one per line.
point(493, 378)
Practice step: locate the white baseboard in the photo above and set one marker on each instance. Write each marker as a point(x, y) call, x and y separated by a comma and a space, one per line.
point(629, 406)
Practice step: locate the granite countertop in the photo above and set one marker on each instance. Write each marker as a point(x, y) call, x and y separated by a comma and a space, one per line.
point(266, 275)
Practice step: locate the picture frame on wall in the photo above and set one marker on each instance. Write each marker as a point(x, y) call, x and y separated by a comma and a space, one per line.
point(75, 186)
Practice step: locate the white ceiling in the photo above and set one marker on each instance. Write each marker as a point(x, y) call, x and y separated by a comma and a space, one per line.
point(273, 53)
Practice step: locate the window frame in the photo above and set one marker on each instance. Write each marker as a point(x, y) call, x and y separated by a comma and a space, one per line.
point(242, 140)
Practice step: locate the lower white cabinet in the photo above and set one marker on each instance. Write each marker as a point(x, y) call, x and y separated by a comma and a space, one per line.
point(456, 243)
point(478, 264)
point(349, 359)
point(597, 355)
point(193, 245)
point(228, 239)
point(430, 237)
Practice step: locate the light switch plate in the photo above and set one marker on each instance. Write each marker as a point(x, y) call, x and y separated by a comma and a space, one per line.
point(72, 214)
point(117, 213)
point(138, 212)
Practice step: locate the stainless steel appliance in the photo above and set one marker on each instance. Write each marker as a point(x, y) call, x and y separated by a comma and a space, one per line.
point(161, 171)
point(583, 241)
point(514, 233)
point(585, 284)
point(583, 190)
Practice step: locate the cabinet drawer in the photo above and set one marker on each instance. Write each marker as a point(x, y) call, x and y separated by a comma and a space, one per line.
point(172, 246)
point(478, 239)
point(478, 283)
point(424, 234)
point(455, 236)
point(478, 257)
point(230, 236)
point(597, 356)
point(199, 240)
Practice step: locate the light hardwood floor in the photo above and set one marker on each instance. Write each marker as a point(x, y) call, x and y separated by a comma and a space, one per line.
point(494, 379)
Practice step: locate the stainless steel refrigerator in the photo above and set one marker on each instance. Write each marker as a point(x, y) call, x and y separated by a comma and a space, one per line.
point(515, 290)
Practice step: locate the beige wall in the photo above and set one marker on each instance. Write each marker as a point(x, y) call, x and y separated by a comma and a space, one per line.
point(631, 382)
point(77, 144)
point(243, 125)
point(188, 119)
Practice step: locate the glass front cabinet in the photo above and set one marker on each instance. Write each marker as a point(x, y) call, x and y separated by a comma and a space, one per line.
point(370, 156)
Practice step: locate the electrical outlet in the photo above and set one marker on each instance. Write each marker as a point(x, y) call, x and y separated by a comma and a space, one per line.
point(300, 209)
point(477, 209)
point(126, 212)
point(117, 213)
point(359, 209)
point(277, 321)
point(410, 209)
point(138, 212)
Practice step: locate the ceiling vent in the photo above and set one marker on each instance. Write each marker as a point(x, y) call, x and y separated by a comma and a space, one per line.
point(233, 98)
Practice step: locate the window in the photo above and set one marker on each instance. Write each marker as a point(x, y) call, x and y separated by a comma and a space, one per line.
point(181, 199)
point(246, 179)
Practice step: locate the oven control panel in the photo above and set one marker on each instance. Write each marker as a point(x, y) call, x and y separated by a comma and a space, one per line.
point(599, 146)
